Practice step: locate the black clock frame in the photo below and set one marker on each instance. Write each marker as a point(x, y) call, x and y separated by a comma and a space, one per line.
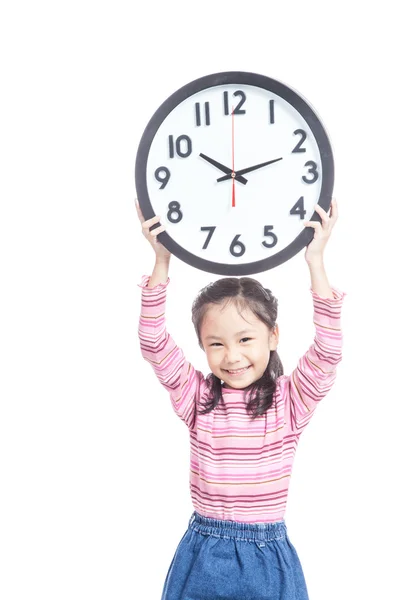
point(267, 83)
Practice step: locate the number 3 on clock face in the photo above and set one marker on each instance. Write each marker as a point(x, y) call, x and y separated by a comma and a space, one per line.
point(234, 163)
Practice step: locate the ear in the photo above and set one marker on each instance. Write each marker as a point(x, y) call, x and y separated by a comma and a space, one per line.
point(274, 338)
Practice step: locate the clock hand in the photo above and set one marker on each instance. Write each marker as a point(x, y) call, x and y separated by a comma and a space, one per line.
point(243, 171)
point(223, 168)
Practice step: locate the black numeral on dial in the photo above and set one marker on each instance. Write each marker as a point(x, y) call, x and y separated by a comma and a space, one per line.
point(312, 171)
point(182, 146)
point(298, 208)
point(174, 213)
point(162, 175)
point(272, 111)
point(206, 113)
point(303, 137)
point(237, 248)
point(238, 110)
point(268, 233)
point(210, 234)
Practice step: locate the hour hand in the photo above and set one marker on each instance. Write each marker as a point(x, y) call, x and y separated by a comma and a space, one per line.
point(224, 169)
point(249, 169)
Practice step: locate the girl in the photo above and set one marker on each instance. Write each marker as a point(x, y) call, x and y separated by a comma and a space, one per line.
point(244, 420)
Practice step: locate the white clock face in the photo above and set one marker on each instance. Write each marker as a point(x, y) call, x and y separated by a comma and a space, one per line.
point(207, 177)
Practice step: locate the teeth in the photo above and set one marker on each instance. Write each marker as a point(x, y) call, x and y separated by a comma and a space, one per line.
point(239, 370)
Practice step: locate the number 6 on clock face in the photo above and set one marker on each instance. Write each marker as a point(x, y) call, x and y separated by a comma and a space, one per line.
point(234, 163)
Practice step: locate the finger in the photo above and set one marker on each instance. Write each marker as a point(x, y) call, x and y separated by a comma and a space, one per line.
point(156, 231)
point(147, 224)
point(322, 213)
point(314, 224)
point(138, 210)
point(334, 210)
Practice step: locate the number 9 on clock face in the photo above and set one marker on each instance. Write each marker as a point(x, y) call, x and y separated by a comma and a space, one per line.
point(234, 163)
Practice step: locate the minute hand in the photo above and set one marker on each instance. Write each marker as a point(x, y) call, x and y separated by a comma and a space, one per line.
point(243, 171)
point(222, 168)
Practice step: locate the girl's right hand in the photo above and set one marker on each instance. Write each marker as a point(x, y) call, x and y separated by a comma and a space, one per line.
point(151, 236)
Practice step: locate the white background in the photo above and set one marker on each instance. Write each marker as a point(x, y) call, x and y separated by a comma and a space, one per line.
point(93, 462)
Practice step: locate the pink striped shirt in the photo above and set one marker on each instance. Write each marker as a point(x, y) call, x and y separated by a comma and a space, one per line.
point(240, 467)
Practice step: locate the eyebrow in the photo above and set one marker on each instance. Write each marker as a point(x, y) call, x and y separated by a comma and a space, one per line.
point(247, 331)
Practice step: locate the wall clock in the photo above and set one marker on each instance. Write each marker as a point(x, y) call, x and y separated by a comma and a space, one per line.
point(234, 163)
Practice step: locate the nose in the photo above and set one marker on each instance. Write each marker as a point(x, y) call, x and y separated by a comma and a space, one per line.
point(232, 356)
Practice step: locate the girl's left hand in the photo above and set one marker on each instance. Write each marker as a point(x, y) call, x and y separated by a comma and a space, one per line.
point(322, 232)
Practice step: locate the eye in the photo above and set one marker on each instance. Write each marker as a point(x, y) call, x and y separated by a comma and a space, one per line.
point(246, 339)
point(216, 344)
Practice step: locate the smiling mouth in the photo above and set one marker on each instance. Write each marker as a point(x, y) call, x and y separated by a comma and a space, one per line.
point(237, 371)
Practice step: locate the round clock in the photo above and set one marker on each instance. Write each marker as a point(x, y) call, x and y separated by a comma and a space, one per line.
point(234, 163)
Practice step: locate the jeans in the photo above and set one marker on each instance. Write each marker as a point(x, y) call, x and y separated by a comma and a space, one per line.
point(228, 560)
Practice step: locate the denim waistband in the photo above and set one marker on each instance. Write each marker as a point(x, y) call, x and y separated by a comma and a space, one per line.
point(257, 532)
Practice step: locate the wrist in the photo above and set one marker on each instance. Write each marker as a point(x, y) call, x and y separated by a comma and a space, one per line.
point(159, 274)
point(315, 262)
point(163, 260)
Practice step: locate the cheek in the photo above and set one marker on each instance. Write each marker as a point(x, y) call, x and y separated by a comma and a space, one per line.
point(209, 355)
point(213, 358)
point(262, 356)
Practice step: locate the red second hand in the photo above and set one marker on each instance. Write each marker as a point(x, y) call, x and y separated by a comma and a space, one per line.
point(233, 159)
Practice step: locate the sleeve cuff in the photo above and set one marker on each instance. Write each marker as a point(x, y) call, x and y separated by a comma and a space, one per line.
point(338, 296)
point(144, 284)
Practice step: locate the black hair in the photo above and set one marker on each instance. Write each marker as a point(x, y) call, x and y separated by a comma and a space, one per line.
point(245, 292)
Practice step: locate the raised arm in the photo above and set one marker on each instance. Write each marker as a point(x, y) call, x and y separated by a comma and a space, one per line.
point(162, 255)
point(174, 372)
point(315, 250)
point(316, 370)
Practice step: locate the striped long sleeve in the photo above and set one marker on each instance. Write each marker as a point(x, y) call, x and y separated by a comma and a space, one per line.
point(174, 372)
point(316, 370)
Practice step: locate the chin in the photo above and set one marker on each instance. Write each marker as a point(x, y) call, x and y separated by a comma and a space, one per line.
point(240, 385)
point(237, 386)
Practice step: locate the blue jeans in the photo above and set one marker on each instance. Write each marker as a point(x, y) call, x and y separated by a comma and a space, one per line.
point(228, 560)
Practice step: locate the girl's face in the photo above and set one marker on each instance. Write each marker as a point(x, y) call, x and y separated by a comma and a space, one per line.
point(237, 344)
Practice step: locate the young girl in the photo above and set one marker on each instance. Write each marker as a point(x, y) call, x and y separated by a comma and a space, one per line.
point(244, 420)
